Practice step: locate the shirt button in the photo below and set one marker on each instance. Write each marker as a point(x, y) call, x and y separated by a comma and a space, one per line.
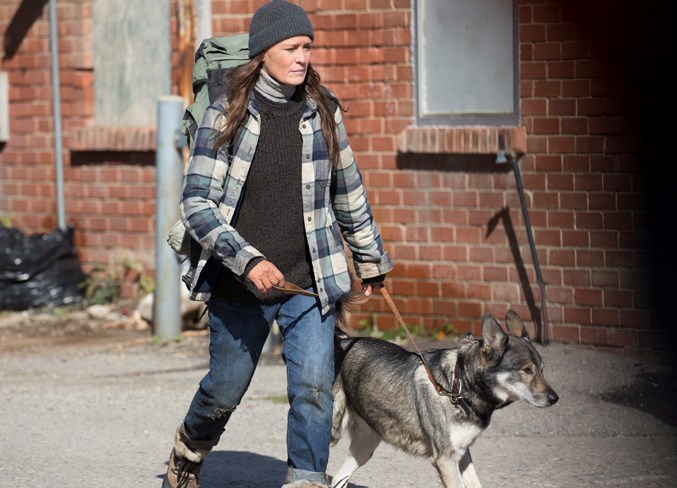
point(304, 126)
point(307, 156)
point(308, 187)
point(309, 219)
point(314, 250)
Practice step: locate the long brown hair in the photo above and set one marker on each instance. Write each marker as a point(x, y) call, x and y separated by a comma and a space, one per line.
point(242, 80)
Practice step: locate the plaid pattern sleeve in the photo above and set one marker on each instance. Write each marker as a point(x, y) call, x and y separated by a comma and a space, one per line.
point(353, 213)
point(210, 196)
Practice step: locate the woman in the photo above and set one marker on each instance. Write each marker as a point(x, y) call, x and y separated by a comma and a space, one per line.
point(271, 188)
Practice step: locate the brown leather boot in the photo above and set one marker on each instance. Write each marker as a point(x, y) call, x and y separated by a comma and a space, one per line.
point(184, 464)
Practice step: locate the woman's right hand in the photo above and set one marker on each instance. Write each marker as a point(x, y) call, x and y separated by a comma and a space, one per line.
point(265, 275)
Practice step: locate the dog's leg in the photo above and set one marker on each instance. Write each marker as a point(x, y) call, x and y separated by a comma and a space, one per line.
point(468, 473)
point(447, 467)
point(363, 441)
point(457, 472)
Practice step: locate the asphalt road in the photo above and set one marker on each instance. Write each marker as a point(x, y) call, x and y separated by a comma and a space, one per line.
point(101, 410)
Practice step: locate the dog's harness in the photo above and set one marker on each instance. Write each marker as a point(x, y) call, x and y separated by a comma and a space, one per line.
point(455, 395)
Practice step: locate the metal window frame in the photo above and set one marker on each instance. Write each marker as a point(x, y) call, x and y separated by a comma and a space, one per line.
point(483, 118)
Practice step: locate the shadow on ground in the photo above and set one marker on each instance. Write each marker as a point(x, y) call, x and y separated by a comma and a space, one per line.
point(225, 469)
point(652, 392)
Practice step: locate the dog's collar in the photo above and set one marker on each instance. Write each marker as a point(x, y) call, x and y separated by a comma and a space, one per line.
point(456, 393)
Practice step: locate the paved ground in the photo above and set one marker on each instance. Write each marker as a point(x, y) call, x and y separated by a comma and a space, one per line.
point(99, 409)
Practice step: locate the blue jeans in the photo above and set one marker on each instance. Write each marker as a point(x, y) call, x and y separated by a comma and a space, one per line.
point(237, 334)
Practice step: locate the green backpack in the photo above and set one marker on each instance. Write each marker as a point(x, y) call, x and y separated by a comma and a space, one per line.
point(213, 59)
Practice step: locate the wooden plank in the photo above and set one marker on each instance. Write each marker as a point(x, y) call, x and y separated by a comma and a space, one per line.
point(132, 61)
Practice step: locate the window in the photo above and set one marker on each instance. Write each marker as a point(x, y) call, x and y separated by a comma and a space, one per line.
point(132, 69)
point(467, 62)
point(132, 63)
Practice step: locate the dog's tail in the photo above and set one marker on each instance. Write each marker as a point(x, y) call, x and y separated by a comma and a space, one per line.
point(339, 417)
point(344, 306)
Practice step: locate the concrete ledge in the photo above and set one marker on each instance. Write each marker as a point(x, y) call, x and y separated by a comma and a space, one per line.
point(462, 140)
point(114, 139)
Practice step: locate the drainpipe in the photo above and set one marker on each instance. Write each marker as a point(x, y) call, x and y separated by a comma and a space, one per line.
point(169, 176)
point(204, 21)
point(503, 157)
point(56, 97)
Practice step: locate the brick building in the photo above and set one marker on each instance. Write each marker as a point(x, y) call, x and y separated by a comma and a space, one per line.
point(568, 89)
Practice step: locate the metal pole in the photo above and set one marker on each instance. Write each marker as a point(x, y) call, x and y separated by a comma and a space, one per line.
point(169, 175)
point(56, 90)
point(532, 246)
point(204, 21)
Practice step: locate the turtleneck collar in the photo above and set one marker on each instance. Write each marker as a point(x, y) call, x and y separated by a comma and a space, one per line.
point(272, 89)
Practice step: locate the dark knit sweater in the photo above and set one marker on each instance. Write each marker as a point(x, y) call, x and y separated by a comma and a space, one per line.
point(271, 212)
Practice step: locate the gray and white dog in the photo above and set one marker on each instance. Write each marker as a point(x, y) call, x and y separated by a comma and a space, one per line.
point(382, 392)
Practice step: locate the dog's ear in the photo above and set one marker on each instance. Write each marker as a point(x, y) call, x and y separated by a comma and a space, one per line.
point(515, 325)
point(493, 338)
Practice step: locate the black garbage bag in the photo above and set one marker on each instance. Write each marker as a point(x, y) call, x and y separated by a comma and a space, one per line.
point(38, 270)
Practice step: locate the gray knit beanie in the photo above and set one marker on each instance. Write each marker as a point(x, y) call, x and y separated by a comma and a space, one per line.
point(275, 22)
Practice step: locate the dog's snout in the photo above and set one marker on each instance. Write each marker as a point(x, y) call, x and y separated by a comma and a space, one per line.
point(552, 398)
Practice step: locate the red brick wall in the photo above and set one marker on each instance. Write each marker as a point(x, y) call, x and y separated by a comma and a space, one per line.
point(108, 172)
point(585, 166)
point(452, 222)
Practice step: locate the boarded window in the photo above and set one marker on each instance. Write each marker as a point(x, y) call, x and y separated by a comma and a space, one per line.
point(132, 60)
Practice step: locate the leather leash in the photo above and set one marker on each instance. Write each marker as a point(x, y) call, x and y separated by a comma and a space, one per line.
point(455, 395)
point(292, 289)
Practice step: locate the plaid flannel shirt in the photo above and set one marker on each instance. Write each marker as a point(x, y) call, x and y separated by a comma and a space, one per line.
point(334, 205)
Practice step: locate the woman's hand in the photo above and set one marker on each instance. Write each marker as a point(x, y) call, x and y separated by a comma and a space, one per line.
point(370, 285)
point(265, 275)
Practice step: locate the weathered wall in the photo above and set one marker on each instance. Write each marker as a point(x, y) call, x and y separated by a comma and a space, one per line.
point(449, 215)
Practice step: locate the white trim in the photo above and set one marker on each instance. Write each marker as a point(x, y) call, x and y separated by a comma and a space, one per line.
point(4, 106)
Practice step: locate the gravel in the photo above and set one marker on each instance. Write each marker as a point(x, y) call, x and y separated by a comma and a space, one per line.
point(89, 404)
